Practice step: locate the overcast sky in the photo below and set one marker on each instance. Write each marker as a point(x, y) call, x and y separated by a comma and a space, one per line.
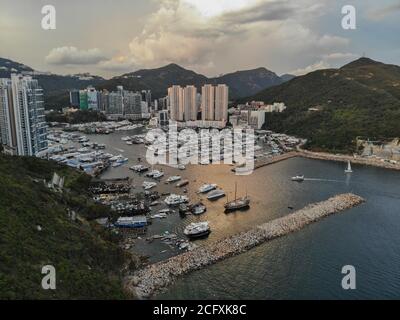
point(111, 37)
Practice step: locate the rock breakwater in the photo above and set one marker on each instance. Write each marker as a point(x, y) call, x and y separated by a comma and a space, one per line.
point(152, 278)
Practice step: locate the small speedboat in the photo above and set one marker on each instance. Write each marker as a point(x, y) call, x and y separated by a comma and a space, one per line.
point(198, 209)
point(207, 188)
point(149, 185)
point(173, 179)
point(298, 178)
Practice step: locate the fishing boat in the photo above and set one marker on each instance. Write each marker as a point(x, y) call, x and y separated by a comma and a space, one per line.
point(207, 188)
point(173, 179)
point(216, 194)
point(238, 203)
point(197, 230)
point(348, 169)
point(298, 178)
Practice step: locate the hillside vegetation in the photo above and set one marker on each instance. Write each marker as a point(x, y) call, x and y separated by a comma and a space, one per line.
point(359, 99)
point(87, 260)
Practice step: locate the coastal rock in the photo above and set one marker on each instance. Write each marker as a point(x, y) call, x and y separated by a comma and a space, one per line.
point(150, 279)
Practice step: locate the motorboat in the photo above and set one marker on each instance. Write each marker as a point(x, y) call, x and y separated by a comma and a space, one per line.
point(139, 168)
point(298, 178)
point(198, 209)
point(207, 188)
point(175, 199)
point(149, 185)
point(174, 179)
point(216, 194)
point(197, 230)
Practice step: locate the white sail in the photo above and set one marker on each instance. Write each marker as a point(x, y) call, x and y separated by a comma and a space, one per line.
point(349, 169)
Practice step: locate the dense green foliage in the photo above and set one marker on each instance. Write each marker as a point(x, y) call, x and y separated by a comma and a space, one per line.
point(80, 116)
point(360, 99)
point(88, 264)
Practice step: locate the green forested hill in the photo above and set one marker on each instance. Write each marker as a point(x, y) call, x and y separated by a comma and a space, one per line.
point(359, 99)
point(87, 263)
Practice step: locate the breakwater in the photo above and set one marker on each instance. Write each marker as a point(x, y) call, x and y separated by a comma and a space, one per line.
point(345, 158)
point(145, 282)
point(327, 157)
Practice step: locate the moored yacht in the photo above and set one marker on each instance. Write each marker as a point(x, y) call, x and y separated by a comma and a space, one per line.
point(238, 203)
point(197, 230)
point(207, 188)
point(139, 168)
point(175, 199)
point(216, 194)
point(149, 185)
point(198, 209)
point(174, 179)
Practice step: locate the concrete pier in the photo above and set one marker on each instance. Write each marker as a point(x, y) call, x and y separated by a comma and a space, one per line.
point(145, 282)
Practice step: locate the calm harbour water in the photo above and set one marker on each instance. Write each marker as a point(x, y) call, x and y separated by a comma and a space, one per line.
point(303, 265)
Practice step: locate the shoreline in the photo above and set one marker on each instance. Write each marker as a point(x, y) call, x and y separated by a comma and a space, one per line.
point(326, 157)
point(145, 282)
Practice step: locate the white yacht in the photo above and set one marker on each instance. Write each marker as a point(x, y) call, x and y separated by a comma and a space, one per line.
point(197, 230)
point(175, 199)
point(174, 179)
point(156, 174)
point(149, 185)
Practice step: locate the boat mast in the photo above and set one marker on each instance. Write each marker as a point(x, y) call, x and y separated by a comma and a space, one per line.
point(235, 190)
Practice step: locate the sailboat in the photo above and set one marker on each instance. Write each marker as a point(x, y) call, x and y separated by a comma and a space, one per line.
point(348, 170)
point(238, 203)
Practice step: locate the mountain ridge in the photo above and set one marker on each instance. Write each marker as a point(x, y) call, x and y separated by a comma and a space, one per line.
point(242, 83)
point(361, 98)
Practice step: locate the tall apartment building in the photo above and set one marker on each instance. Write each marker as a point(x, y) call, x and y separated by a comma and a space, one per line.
point(83, 100)
point(115, 104)
point(92, 97)
point(221, 102)
point(190, 103)
point(74, 98)
point(175, 95)
point(208, 102)
point(8, 136)
point(22, 119)
point(132, 103)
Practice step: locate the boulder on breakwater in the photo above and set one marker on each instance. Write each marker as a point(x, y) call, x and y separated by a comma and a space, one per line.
point(147, 281)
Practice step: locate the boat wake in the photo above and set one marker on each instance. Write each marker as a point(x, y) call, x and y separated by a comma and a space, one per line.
point(324, 180)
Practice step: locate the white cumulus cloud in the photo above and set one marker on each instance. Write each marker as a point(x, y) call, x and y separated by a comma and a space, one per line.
point(74, 56)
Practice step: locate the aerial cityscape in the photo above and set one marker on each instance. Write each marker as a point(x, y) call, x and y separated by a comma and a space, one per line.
point(171, 176)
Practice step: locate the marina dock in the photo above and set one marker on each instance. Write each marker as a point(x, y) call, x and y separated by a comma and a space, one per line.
point(149, 280)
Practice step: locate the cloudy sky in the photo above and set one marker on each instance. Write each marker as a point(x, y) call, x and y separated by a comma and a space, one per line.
point(111, 37)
